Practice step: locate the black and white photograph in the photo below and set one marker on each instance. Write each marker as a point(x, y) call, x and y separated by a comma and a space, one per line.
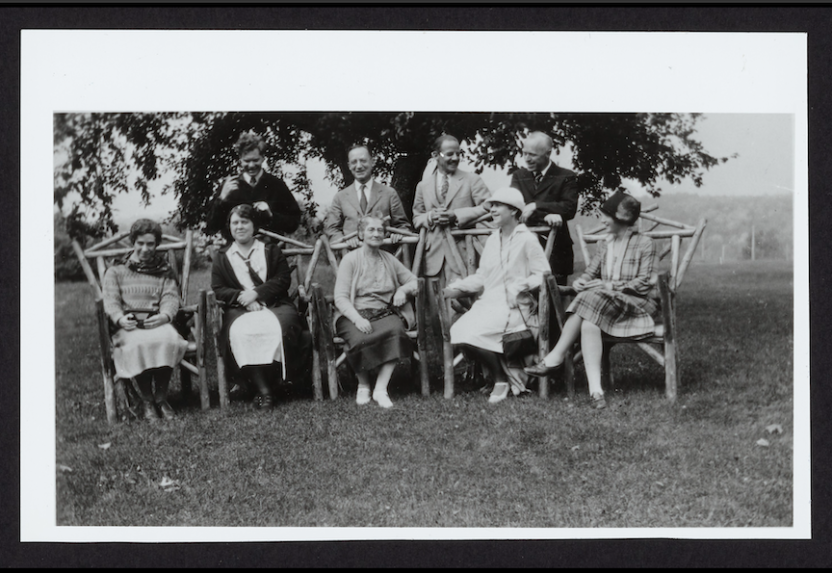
point(567, 306)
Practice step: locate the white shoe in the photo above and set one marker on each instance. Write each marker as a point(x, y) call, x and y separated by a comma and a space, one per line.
point(362, 396)
point(499, 393)
point(383, 400)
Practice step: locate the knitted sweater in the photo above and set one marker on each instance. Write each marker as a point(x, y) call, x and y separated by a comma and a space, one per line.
point(124, 289)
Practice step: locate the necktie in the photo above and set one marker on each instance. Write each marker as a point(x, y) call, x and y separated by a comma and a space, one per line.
point(253, 180)
point(255, 278)
point(363, 201)
point(444, 192)
point(538, 177)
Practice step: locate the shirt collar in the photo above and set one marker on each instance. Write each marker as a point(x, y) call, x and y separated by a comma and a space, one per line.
point(369, 185)
point(235, 248)
point(247, 177)
point(545, 169)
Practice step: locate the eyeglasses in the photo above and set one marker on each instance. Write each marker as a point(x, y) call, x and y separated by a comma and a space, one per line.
point(451, 154)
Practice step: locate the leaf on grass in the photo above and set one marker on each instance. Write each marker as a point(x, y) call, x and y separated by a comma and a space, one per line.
point(104, 446)
point(64, 468)
point(774, 428)
point(168, 484)
point(573, 448)
point(763, 442)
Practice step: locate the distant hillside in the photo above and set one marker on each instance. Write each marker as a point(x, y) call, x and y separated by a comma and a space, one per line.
point(729, 223)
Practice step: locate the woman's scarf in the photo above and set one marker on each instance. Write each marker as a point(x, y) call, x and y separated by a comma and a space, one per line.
point(157, 266)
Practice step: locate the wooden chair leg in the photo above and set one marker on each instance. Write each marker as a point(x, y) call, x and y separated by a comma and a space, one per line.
point(669, 316)
point(421, 336)
point(447, 348)
point(214, 321)
point(201, 319)
point(312, 320)
point(543, 316)
point(324, 322)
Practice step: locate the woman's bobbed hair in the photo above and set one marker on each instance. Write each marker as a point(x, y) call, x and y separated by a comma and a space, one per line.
point(144, 227)
point(246, 211)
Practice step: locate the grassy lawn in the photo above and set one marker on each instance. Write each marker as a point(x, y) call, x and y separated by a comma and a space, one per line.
point(432, 462)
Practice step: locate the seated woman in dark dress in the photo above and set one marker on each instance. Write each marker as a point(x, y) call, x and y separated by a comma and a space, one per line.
point(371, 286)
point(262, 333)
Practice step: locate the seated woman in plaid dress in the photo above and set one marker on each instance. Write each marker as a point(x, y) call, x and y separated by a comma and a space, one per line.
point(612, 294)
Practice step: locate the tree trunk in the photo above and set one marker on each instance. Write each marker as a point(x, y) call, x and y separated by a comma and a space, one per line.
point(407, 174)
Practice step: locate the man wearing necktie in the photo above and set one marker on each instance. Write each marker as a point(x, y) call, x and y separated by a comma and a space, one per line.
point(363, 197)
point(551, 195)
point(448, 198)
point(278, 209)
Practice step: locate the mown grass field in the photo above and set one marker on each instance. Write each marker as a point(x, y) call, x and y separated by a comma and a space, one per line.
point(432, 462)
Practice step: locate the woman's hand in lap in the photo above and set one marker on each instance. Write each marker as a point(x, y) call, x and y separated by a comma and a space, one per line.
point(127, 322)
point(156, 320)
point(364, 325)
point(254, 307)
point(247, 297)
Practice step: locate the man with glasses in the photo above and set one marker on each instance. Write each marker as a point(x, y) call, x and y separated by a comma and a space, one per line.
point(363, 197)
point(551, 195)
point(448, 198)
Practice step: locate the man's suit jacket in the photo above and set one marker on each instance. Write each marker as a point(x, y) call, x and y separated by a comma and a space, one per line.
point(466, 194)
point(286, 213)
point(345, 211)
point(558, 194)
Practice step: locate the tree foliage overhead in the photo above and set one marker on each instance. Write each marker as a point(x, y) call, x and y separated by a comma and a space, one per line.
point(99, 155)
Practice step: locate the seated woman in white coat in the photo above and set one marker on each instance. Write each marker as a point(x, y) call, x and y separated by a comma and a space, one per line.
point(512, 263)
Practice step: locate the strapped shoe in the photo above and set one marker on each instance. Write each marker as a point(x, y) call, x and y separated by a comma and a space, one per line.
point(383, 400)
point(362, 396)
point(150, 412)
point(265, 401)
point(167, 410)
point(598, 401)
point(499, 393)
point(540, 369)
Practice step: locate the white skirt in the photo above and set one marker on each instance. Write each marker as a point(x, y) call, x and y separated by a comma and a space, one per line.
point(256, 339)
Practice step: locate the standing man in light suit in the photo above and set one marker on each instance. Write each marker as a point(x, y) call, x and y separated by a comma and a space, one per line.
point(447, 198)
point(363, 197)
point(551, 195)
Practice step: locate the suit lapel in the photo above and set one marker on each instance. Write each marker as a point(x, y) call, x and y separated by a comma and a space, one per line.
point(351, 197)
point(375, 193)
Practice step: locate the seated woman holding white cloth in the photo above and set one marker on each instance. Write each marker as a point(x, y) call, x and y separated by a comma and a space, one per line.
point(512, 263)
point(261, 326)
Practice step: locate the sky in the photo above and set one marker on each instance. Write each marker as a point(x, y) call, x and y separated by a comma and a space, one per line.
point(764, 166)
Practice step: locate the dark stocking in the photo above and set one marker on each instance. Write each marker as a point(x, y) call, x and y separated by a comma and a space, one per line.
point(145, 383)
point(162, 378)
point(259, 375)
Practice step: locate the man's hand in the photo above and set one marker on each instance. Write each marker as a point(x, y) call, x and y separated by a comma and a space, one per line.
point(452, 293)
point(263, 206)
point(528, 211)
point(395, 238)
point(231, 184)
point(353, 243)
point(156, 320)
point(247, 297)
point(553, 220)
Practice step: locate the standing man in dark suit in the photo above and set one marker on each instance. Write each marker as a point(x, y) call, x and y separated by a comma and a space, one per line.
point(365, 196)
point(279, 211)
point(551, 195)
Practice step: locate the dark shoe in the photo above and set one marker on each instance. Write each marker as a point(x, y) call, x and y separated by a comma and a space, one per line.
point(598, 401)
point(540, 369)
point(265, 402)
point(167, 410)
point(150, 412)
